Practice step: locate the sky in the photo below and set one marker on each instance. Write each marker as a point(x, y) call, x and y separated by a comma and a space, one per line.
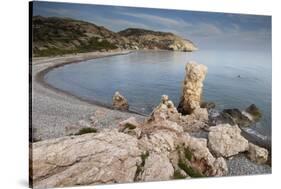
point(208, 30)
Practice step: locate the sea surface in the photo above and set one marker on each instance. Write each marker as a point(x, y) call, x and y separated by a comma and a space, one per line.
point(235, 79)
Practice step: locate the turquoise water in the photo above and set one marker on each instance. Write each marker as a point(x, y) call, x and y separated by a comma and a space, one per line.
point(143, 76)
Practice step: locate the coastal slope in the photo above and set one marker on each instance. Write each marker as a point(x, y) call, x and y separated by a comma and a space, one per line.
point(57, 36)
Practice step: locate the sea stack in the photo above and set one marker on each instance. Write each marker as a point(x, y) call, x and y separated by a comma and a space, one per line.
point(120, 102)
point(192, 87)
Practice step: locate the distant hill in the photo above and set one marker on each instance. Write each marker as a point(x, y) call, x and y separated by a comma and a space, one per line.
point(56, 36)
point(147, 39)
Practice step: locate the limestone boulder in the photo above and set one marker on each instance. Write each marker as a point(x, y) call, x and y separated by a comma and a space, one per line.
point(201, 158)
point(226, 140)
point(106, 157)
point(157, 168)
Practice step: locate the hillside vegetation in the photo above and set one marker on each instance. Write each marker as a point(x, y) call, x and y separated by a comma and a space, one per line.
point(57, 36)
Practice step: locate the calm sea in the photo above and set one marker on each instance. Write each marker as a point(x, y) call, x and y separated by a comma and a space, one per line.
point(235, 79)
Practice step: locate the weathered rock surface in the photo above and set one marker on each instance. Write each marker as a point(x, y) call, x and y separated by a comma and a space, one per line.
point(226, 140)
point(193, 122)
point(192, 87)
point(106, 157)
point(159, 150)
point(202, 159)
point(119, 102)
point(157, 167)
point(257, 154)
point(130, 126)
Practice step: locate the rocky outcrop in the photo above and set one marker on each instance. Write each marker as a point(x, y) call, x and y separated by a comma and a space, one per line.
point(192, 87)
point(257, 154)
point(106, 157)
point(192, 122)
point(130, 126)
point(147, 39)
point(155, 150)
point(235, 116)
point(119, 102)
point(226, 140)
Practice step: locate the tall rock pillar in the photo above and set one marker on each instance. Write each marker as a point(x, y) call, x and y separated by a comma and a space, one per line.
point(192, 87)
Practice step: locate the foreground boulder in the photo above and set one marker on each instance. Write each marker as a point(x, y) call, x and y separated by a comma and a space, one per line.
point(120, 102)
point(226, 140)
point(106, 157)
point(192, 87)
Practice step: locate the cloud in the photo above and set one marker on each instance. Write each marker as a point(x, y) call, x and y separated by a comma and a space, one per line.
point(205, 30)
point(117, 24)
point(63, 12)
point(168, 22)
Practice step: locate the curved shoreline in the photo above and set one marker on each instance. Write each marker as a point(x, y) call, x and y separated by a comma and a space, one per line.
point(54, 110)
point(40, 78)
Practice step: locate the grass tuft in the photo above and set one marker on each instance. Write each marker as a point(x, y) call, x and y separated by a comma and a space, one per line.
point(178, 175)
point(86, 130)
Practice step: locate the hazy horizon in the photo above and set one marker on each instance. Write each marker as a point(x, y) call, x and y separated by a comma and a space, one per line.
point(208, 30)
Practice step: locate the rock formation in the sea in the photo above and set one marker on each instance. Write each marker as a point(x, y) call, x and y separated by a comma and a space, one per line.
point(235, 116)
point(119, 102)
point(192, 87)
point(190, 123)
point(254, 112)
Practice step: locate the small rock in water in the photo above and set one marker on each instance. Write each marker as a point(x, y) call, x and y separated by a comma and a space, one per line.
point(254, 111)
point(238, 117)
point(208, 105)
point(120, 102)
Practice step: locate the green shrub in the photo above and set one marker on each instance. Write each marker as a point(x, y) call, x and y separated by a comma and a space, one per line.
point(188, 154)
point(178, 175)
point(86, 130)
point(189, 170)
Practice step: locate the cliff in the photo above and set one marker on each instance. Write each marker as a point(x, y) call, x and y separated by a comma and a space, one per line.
point(56, 36)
